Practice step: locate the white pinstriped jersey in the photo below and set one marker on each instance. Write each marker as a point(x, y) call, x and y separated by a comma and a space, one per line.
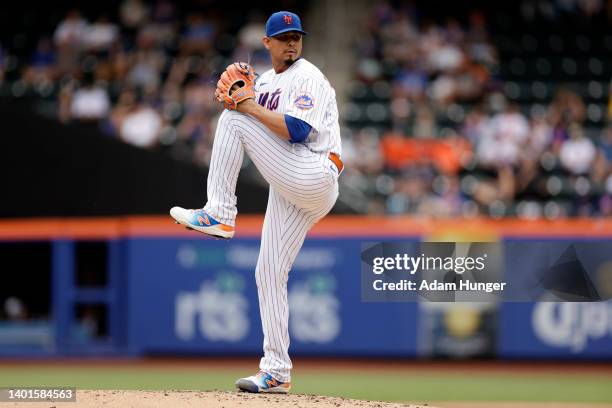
point(302, 91)
point(303, 187)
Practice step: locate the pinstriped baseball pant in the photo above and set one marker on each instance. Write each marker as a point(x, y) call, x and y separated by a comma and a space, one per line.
point(303, 189)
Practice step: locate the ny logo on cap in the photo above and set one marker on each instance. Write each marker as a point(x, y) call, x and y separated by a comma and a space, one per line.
point(288, 19)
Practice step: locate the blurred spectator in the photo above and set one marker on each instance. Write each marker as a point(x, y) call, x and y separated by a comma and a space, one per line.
point(566, 108)
point(250, 47)
point(502, 188)
point(578, 152)
point(602, 167)
point(70, 31)
point(133, 13)
point(362, 153)
point(479, 47)
point(540, 137)
point(410, 81)
point(197, 95)
point(446, 200)
point(411, 189)
point(67, 39)
point(425, 125)
point(145, 69)
point(471, 81)
point(125, 104)
point(501, 142)
point(443, 90)
point(475, 124)
point(442, 55)
point(90, 102)
point(396, 37)
point(199, 34)
point(605, 203)
point(42, 66)
point(141, 126)
point(605, 144)
point(15, 309)
point(88, 326)
point(164, 12)
point(194, 133)
point(163, 27)
point(100, 36)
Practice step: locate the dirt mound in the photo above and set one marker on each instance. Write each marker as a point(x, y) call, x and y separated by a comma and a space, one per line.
point(208, 399)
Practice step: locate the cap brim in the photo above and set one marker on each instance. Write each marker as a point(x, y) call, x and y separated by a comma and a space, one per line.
point(286, 30)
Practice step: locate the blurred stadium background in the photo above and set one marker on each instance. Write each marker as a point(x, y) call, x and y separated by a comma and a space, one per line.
point(482, 121)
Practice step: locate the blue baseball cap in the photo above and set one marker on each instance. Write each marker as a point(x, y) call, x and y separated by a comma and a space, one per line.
point(282, 22)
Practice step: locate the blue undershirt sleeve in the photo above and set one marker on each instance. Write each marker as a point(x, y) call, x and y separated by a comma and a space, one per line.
point(298, 129)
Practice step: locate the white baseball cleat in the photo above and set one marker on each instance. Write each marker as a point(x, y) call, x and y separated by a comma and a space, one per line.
point(199, 220)
point(263, 382)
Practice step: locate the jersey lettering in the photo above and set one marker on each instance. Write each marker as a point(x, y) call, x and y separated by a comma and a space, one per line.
point(272, 103)
point(263, 98)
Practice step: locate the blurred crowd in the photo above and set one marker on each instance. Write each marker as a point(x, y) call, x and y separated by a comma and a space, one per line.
point(147, 78)
point(558, 10)
point(457, 145)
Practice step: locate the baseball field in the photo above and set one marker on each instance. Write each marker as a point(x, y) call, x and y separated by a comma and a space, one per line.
point(321, 383)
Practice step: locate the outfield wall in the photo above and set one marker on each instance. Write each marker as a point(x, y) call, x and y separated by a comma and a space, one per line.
point(169, 291)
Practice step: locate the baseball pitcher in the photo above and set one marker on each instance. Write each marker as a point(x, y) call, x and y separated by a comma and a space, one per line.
point(287, 122)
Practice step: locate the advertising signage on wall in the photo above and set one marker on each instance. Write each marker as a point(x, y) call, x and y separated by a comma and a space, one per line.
point(203, 299)
point(174, 292)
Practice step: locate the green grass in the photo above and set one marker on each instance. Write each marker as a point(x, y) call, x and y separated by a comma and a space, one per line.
point(471, 387)
point(378, 385)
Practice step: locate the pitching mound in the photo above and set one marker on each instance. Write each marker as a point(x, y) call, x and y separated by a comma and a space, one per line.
point(209, 399)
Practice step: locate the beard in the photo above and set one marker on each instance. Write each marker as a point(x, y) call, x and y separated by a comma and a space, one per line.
point(289, 61)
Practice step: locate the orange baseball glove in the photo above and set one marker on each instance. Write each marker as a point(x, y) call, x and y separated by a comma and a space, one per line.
point(235, 85)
